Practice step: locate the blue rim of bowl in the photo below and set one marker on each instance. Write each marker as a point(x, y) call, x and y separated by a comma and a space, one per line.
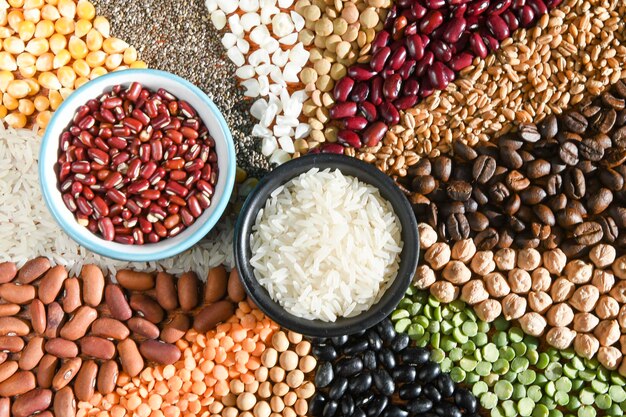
point(47, 182)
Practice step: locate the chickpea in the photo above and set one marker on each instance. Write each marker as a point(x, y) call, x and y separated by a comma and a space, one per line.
point(474, 292)
point(585, 298)
point(539, 301)
point(554, 261)
point(463, 250)
point(586, 345)
point(621, 317)
point(488, 310)
point(444, 291)
point(561, 290)
point(603, 280)
point(438, 255)
point(424, 277)
point(496, 285)
point(619, 292)
point(513, 306)
point(541, 279)
point(428, 236)
point(602, 255)
point(607, 332)
point(619, 267)
point(607, 307)
point(528, 259)
point(610, 357)
point(519, 281)
point(532, 323)
point(456, 272)
point(560, 315)
point(560, 337)
point(585, 322)
point(482, 263)
point(578, 271)
point(505, 259)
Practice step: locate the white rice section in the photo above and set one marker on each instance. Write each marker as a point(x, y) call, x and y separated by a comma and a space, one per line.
point(27, 229)
point(326, 245)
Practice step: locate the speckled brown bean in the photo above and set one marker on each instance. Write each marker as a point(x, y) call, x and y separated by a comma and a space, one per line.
point(5, 407)
point(93, 285)
point(116, 301)
point(176, 328)
point(46, 370)
point(166, 294)
point(209, 316)
point(159, 352)
point(11, 344)
point(107, 377)
point(32, 270)
point(146, 307)
point(85, 383)
point(9, 309)
point(12, 326)
point(236, 291)
point(109, 328)
point(19, 383)
point(7, 370)
point(64, 403)
point(61, 348)
point(97, 347)
point(216, 284)
point(66, 373)
point(51, 284)
point(32, 354)
point(71, 297)
point(18, 294)
point(143, 327)
point(37, 312)
point(131, 359)
point(8, 271)
point(78, 325)
point(54, 320)
point(188, 287)
point(32, 402)
point(134, 280)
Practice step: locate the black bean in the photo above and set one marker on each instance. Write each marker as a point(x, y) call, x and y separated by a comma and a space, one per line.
point(415, 355)
point(445, 385)
point(330, 409)
point(317, 403)
point(386, 331)
point(404, 373)
point(365, 400)
point(324, 352)
point(369, 360)
point(324, 375)
point(340, 340)
point(349, 367)
point(338, 388)
point(428, 372)
point(374, 340)
point(395, 411)
point(410, 391)
point(377, 406)
point(360, 383)
point(347, 405)
point(358, 412)
point(443, 409)
point(432, 393)
point(400, 342)
point(419, 405)
point(465, 400)
point(387, 358)
point(354, 347)
point(383, 382)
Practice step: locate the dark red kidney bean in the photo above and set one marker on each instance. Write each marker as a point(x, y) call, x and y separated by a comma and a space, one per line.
point(392, 86)
point(397, 58)
point(424, 63)
point(348, 137)
point(527, 16)
point(374, 133)
point(376, 91)
point(418, 11)
point(441, 50)
point(499, 6)
point(477, 7)
point(408, 68)
point(379, 59)
point(491, 42)
point(434, 4)
point(355, 123)
point(410, 87)
point(343, 110)
point(461, 61)
point(360, 92)
point(415, 47)
point(333, 148)
point(478, 46)
point(405, 102)
point(389, 113)
point(431, 21)
point(343, 88)
point(360, 73)
point(380, 41)
point(498, 27)
point(368, 110)
point(437, 76)
point(538, 6)
point(510, 20)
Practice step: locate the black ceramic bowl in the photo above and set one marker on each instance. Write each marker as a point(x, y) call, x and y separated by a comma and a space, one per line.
point(348, 166)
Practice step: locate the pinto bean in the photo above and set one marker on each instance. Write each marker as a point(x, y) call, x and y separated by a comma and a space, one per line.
point(216, 284)
point(46, 370)
point(64, 403)
point(166, 294)
point(7, 370)
point(188, 287)
point(131, 359)
point(32, 402)
point(210, 315)
point(12, 326)
point(19, 383)
point(71, 298)
point(116, 301)
point(78, 325)
point(18, 294)
point(37, 312)
point(176, 328)
point(97, 347)
point(8, 271)
point(9, 309)
point(143, 327)
point(51, 284)
point(66, 373)
point(93, 285)
point(32, 270)
point(146, 307)
point(160, 352)
point(85, 383)
point(54, 320)
point(12, 344)
point(32, 354)
point(134, 280)
point(236, 291)
point(61, 348)
point(107, 377)
point(109, 328)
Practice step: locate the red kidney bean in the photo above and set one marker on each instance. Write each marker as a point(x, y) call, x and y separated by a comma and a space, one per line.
point(348, 137)
point(360, 92)
point(397, 58)
point(415, 46)
point(498, 27)
point(360, 73)
point(355, 123)
point(332, 148)
point(374, 133)
point(368, 110)
point(379, 59)
point(392, 86)
point(389, 113)
point(343, 110)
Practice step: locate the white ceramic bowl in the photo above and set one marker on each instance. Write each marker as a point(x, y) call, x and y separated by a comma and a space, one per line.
point(152, 80)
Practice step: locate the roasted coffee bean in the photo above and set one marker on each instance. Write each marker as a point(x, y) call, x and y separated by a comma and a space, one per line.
point(604, 122)
point(574, 122)
point(483, 168)
point(591, 150)
point(614, 157)
point(529, 132)
point(537, 169)
point(548, 127)
point(424, 184)
point(459, 190)
point(545, 214)
point(569, 153)
point(588, 233)
point(574, 184)
point(457, 226)
point(498, 192)
point(611, 179)
point(511, 158)
point(487, 239)
point(599, 201)
point(477, 221)
point(532, 195)
point(464, 151)
point(442, 168)
point(567, 218)
point(423, 167)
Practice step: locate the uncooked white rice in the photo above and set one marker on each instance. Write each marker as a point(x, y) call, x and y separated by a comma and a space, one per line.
point(326, 245)
point(27, 229)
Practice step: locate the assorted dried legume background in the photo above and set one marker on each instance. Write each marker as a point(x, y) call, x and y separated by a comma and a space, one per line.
point(503, 122)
